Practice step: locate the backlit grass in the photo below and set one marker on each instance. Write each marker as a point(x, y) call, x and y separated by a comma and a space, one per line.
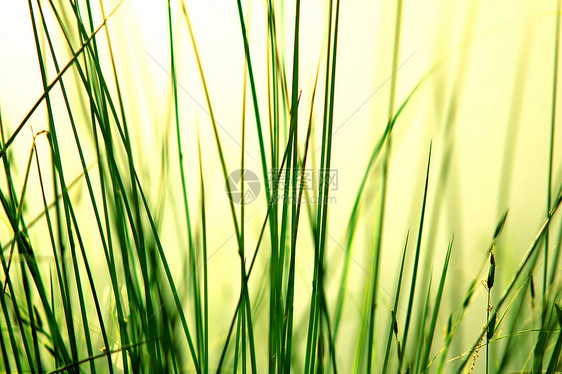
point(410, 175)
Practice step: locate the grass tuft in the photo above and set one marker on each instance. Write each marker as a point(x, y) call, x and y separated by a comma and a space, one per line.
point(122, 245)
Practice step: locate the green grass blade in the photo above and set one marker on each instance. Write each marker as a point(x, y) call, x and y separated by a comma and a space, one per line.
point(393, 324)
point(555, 357)
point(551, 148)
point(423, 320)
point(431, 331)
point(523, 265)
point(415, 269)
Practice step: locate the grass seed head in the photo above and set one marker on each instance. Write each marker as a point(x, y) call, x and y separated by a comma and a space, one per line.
point(492, 271)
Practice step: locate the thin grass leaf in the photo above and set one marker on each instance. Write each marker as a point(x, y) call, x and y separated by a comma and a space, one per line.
point(555, 357)
point(415, 269)
point(431, 332)
point(532, 249)
point(393, 327)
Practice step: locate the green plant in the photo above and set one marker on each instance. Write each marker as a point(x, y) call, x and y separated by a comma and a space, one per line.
point(112, 219)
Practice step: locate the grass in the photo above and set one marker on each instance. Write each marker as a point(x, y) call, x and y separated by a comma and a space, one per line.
point(111, 222)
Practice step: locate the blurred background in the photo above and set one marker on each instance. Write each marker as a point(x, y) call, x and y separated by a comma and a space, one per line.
point(485, 103)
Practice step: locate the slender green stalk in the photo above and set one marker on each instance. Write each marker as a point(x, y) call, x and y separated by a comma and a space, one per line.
point(415, 269)
point(205, 363)
point(321, 217)
point(379, 229)
point(225, 176)
point(431, 332)
point(252, 263)
point(554, 359)
point(393, 325)
point(196, 297)
point(526, 260)
point(551, 150)
point(424, 317)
